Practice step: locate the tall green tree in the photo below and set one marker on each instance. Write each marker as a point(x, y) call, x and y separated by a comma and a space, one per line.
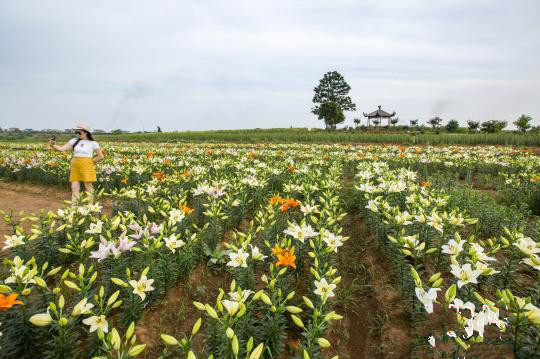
point(523, 123)
point(332, 88)
point(435, 122)
point(473, 125)
point(493, 126)
point(452, 126)
point(331, 113)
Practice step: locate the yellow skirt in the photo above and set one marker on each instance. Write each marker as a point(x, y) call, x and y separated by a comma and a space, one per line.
point(82, 170)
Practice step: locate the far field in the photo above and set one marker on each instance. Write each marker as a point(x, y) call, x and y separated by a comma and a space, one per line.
point(411, 136)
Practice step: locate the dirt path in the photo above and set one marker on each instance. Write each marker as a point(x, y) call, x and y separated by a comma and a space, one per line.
point(30, 198)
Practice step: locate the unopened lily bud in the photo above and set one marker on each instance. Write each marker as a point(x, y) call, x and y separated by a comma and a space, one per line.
point(434, 277)
point(256, 354)
point(235, 345)
point(290, 295)
point(323, 343)
point(297, 321)
point(199, 306)
point(211, 311)
point(41, 320)
point(136, 350)
point(266, 299)
point(196, 326)
point(229, 332)
point(437, 283)
point(308, 302)
point(169, 340)
point(292, 309)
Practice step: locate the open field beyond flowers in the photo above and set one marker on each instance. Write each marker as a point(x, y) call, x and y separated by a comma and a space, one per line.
point(266, 250)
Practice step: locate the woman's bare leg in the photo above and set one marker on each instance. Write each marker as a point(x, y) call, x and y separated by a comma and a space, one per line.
point(75, 191)
point(89, 190)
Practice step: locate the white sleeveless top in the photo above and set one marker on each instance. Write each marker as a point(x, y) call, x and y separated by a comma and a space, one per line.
point(85, 148)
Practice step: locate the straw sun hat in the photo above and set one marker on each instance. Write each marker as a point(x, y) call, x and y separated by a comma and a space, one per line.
point(83, 126)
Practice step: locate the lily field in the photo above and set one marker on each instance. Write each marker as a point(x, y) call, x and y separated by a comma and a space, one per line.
point(233, 251)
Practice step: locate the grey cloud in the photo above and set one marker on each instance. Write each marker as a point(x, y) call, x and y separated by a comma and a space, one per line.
point(244, 64)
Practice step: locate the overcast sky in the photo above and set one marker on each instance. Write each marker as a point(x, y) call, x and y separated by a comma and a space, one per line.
point(195, 65)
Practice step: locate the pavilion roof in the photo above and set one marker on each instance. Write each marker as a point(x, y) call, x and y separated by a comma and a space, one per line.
point(379, 113)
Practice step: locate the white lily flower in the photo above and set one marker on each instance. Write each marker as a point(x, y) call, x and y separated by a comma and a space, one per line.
point(238, 259)
point(533, 262)
point(231, 306)
point(332, 241)
point(479, 250)
point(142, 286)
point(13, 241)
point(465, 274)
point(301, 233)
point(427, 298)
point(83, 307)
point(176, 215)
point(256, 253)
point(97, 322)
point(173, 243)
point(95, 228)
point(453, 248)
point(527, 245)
point(324, 289)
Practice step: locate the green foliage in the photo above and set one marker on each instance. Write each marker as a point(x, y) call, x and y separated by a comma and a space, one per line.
point(331, 113)
point(332, 88)
point(435, 122)
point(414, 122)
point(298, 135)
point(493, 126)
point(452, 126)
point(473, 125)
point(523, 123)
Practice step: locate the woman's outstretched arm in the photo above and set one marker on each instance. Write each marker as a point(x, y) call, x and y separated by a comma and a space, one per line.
point(63, 148)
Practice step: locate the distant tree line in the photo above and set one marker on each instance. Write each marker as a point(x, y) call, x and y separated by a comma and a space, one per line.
point(332, 98)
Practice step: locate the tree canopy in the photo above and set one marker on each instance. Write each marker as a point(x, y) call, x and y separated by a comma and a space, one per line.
point(523, 123)
point(334, 89)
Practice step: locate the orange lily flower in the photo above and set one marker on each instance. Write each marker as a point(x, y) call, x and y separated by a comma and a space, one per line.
point(159, 175)
point(287, 259)
point(277, 250)
point(124, 180)
point(9, 301)
point(276, 199)
point(186, 209)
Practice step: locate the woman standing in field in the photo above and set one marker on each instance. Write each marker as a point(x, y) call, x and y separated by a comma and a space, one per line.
point(82, 165)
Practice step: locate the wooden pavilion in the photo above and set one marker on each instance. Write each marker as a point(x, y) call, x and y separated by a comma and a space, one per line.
point(379, 113)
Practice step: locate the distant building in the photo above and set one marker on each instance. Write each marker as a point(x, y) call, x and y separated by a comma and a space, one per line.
point(98, 131)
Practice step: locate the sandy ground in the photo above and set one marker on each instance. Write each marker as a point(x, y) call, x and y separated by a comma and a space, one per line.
point(30, 198)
